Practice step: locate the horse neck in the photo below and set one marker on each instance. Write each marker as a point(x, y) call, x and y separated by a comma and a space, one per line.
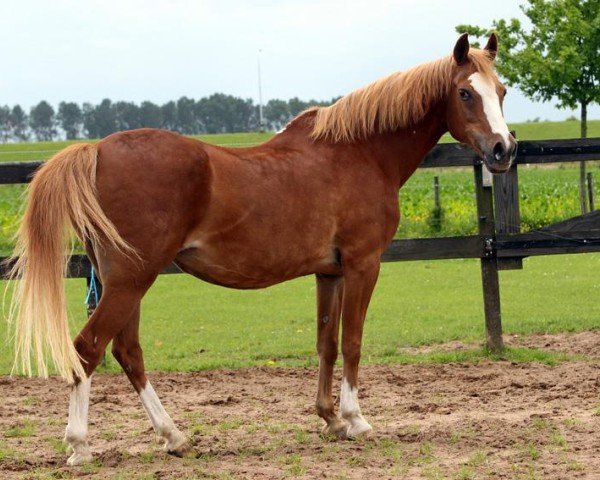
point(399, 153)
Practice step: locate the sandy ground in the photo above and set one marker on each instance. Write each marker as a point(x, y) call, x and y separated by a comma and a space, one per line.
point(457, 421)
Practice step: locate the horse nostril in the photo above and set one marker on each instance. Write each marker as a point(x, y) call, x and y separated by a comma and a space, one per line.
point(498, 151)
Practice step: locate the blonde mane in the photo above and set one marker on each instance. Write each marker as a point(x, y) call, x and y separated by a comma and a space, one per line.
point(396, 101)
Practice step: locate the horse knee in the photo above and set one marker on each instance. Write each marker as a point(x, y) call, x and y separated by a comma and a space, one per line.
point(328, 355)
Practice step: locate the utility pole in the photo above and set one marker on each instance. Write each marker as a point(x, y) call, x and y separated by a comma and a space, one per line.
point(260, 103)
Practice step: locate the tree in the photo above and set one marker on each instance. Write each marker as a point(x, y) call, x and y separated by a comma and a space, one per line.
point(277, 113)
point(105, 119)
point(42, 121)
point(89, 120)
point(18, 121)
point(70, 119)
point(5, 126)
point(169, 116)
point(150, 115)
point(127, 116)
point(556, 59)
point(187, 122)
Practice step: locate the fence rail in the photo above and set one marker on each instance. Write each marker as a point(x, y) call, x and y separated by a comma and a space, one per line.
point(499, 244)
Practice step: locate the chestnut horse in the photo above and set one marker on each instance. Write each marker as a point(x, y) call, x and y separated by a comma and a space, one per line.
point(321, 198)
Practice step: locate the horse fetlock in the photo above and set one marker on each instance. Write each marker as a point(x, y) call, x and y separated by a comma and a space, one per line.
point(176, 443)
point(75, 437)
point(165, 428)
point(81, 454)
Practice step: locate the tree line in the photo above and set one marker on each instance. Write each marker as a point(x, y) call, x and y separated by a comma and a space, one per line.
point(217, 113)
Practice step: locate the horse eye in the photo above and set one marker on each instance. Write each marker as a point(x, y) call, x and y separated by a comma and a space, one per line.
point(505, 92)
point(464, 94)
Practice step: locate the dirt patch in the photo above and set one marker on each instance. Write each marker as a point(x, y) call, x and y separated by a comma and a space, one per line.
point(586, 344)
point(491, 420)
point(580, 343)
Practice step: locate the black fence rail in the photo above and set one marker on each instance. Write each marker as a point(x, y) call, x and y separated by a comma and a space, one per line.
point(499, 244)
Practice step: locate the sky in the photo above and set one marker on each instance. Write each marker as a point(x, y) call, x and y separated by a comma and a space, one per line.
point(135, 50)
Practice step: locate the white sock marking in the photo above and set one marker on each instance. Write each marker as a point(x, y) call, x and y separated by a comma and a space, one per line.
point(77, 426)
point(79, 403)
point(349, 406)
point(161, 421)
point(491, 105)
point(350, 410)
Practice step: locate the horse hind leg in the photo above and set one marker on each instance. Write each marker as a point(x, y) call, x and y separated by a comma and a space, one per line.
point(109, 318)
point(128, 352)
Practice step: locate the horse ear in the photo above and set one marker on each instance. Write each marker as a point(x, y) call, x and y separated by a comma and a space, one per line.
point(492, 46)
point(461, 49)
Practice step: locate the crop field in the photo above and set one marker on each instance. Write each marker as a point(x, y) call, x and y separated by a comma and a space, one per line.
point(237, 369)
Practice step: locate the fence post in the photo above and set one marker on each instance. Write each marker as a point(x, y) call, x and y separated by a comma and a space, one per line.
point(590, 186)
point(489, 265)
point(506, 210)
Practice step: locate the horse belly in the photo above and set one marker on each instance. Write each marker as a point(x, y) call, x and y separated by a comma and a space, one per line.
point(247, 268)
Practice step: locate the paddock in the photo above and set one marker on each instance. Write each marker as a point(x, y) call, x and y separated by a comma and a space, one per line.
point(459, 420)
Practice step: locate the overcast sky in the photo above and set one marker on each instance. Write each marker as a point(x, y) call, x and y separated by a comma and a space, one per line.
point(137, 50)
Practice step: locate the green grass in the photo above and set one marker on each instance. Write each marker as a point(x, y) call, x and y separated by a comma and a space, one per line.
point(35, 151)
point(190, 325)
point(20, 430)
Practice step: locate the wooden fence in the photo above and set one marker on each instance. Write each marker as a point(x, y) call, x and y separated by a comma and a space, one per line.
point(499, 244)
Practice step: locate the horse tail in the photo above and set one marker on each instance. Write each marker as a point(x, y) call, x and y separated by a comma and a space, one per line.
point(62, 194)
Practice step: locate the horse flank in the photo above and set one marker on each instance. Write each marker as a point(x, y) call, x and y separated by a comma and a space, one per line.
point(392, 102)
point(62, 194)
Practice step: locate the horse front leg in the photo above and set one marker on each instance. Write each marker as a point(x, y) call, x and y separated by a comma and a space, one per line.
point(329, 304)
point(359, 282)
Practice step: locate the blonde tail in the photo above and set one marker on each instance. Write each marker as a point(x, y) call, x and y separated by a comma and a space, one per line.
point(62, 194)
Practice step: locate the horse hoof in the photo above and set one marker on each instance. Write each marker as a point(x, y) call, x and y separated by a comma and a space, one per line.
point(360, 431)
point(178, 445)
point(79, 458)
point(337, 429)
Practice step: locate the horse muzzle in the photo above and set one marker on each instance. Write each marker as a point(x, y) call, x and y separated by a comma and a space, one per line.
point(498, 156)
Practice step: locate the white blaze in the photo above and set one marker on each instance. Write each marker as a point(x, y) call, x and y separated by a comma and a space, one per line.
point(491, 105)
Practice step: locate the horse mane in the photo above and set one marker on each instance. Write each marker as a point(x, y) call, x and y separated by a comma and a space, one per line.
point(392, 102)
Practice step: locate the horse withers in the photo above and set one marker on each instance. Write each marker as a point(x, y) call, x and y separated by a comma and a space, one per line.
point(320, 198)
